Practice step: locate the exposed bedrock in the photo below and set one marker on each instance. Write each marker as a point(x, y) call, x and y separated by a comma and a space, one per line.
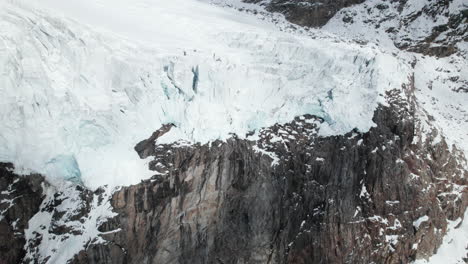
point(283, 195)
point(293, 197)
point(290, 196)
point(448, 25)
point(311, 13)
point(20, 199)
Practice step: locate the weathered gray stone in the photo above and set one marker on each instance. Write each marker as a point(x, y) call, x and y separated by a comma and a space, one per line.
point(20, 199)
point(341, 199)
point(310, 13)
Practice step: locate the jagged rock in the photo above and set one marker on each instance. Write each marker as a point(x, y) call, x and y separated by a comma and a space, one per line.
point(446, 26)
point(293, 197)
point(20, 198)
point(310, 13)
point(441, 40)
point(283, 195)
point(146, 147)
point(100, 253)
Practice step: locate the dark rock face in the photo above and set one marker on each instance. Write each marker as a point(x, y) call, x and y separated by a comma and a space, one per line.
point(66, 214)
point(71, 215)
point(146, 147)
point(310, 13)
point(292, 197)
point(440, 41)
point(443, 39)
point(20, 199)
point(286, 196)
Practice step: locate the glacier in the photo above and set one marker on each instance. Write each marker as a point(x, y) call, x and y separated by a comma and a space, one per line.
point(65, 167)
point(83, 81)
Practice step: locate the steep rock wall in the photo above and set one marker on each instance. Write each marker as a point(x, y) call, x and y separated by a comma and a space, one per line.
point(293, 197)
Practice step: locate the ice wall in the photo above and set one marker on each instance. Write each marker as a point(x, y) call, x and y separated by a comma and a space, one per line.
point(80, 98)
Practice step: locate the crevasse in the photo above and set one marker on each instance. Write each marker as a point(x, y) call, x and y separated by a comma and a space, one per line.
point(92, 93)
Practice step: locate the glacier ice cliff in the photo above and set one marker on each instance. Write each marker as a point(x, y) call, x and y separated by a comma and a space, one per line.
point(75, 91)
point(266, 141)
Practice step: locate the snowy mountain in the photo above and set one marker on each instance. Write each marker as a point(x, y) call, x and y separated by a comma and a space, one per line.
point(97, 95)
point(301, 139)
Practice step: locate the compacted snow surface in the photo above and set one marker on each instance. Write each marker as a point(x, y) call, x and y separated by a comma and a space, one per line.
point(83, 81)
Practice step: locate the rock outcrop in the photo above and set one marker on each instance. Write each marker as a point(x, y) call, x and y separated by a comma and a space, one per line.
point(282, 195)
point(434, 28)
point(20, 199)
point(310, 13)
point(429, 27)
point(293, 197)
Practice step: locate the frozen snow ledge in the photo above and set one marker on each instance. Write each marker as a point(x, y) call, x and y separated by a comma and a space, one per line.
point(91, 94)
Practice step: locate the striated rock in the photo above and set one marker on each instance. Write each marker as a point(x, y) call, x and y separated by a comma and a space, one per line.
point(283, 195)
point(36, 218)
point(293, 197)
point(20, 198)
point(310, 13)
point(443, 38)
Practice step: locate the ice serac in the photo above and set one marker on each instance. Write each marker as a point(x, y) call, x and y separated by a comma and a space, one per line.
point(77, 99)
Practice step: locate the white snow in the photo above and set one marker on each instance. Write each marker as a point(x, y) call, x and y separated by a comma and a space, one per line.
point(274, 158)
point(436, 79)
point(392, 239)
point(83, 81)
point(364, 193)
point(61, 248)
point(435, 90)
point(454, 246)
point(396, 225)
point(420, 220)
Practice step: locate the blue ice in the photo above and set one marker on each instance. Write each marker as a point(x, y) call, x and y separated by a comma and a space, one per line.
point(65, 166)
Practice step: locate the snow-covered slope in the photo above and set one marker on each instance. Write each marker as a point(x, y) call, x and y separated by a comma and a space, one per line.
point(453, 249)
point(84, 81)
point(433, 27)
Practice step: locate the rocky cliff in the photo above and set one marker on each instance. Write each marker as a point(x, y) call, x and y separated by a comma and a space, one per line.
point(293, 197)
point(310, 13)
point(20, 199)
point(281, 194)
point(284, 195)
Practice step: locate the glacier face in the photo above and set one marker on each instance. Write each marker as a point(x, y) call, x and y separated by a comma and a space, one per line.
point(79, 97)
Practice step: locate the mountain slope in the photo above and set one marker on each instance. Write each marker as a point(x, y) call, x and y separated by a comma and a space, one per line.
point(270, 142)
